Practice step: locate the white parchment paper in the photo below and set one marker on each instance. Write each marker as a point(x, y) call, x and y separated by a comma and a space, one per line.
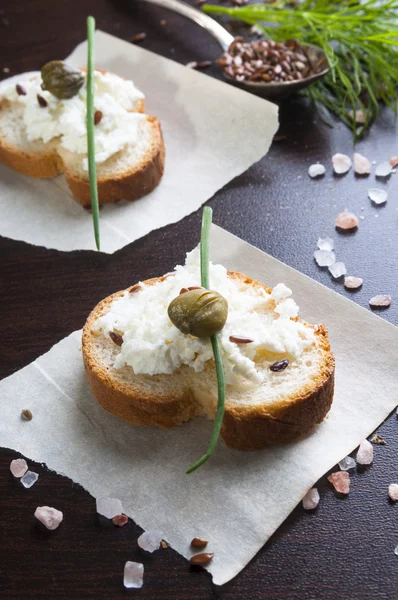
point(238, 499)
point(212, 132)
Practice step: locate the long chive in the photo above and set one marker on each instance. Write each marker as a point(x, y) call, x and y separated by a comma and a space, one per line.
point(92, 171)
point(204, 273)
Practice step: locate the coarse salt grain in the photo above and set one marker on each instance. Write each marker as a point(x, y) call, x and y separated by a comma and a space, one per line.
point(120, 520)
point(396, 551)
point(18, 467)
point(361, 164)
point(383, 170)
point(341, 163)
point(393, 492)
point(29, 479)
point(377, 196)
point(365, 453)
point(338, 270)
point(50, 517)
point(352, 283)
point(394, 161)
point(380, 301)
point(133, 575)
point(109, 507)
point(150, 540)
point(324, 258)
point(325, 244)
point(346, 220)
point(311, 499)
point(347, 463)
point(316, 170)
point(340, 481)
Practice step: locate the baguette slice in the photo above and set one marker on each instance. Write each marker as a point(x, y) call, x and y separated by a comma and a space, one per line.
point(285, 407)
point(128, 175)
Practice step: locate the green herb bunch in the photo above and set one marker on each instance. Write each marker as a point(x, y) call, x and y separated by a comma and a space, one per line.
point(359, 39)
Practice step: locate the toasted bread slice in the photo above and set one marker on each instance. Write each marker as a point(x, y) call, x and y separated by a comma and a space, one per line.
point(128, 175)
point(285, 407)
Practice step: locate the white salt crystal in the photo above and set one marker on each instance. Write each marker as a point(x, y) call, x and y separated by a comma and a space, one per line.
point(361, 164)
point(347, 463)
point(311, 499)
point(377, 196)
point(316, 170)
point(29, 479)
point(324, 258)
point(109, 507)
point(383, 170)
point(393, 491)
point(150, 540)
point(338, 269)
point(133, 575)
point(352, 283)
point(18, 467)
point(341, 163)
point(380, 300)
point(50, 517)
point(365, 453)
point(396, 551)
point(325, 244)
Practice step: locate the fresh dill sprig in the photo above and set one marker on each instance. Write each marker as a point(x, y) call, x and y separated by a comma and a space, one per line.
point(359, 39)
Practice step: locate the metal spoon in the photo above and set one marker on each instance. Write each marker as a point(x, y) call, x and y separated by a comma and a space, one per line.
point(275, 90)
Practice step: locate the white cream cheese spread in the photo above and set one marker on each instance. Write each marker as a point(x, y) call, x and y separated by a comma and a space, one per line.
point(153, 345)
point(65, 120)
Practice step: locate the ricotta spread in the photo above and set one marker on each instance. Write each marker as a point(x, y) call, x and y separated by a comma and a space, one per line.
point(153, 345)
point(65, 120)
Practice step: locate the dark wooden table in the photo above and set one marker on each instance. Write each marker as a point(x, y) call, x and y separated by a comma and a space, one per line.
point(345, 550)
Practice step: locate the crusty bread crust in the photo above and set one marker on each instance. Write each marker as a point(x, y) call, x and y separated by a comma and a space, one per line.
point(244, 427)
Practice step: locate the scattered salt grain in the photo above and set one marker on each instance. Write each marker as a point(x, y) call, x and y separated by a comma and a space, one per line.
point(380, 301)
point(338, 270)
point(394, 161)
point(393, 492)
point(347, 463)
point(362, 218)
point(352, 283)
point(340, 481)
point(109, 507)
point(365, 453)
point(311, 499)
point(359, 115)
point(346, 220)
point(324, 258)
point(361, 164)
point(18, 467)
point(396, 551)
point(29, 479)
point(325, 244)
point(316, 170)
point(341, 163)
point(50, 517)
point(150, 540)
point(133, 575)
point(377, 196)
point(383, 170)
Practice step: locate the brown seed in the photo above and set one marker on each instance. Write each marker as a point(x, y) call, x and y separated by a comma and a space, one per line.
point(279, 138)
point(135, 288)
point(120, 520)
point(138, 37)
point(183, 291)
point(26, 414)
point(20, 90)
point(116, 338)
point(42, 101)
point(163, 22)
point(201, 560)
point(97, 117)
point(199, 543)
point(280, 365)
point(6, 70)
point(164, 544)
point(236, 339)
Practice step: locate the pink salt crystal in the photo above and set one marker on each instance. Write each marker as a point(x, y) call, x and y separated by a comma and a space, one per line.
point(18, 467)
point(361, 164)
point(311, 499)
point(50, 517)
point(380, 301)
point(365, 453)
point(393, 492)
point(340, 481)
point(346, 220)
point(352, 283)
point(394, 161)
point(120, 520)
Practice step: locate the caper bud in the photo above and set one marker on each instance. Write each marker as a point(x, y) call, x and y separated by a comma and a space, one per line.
point(200, 312)
point(62, 80)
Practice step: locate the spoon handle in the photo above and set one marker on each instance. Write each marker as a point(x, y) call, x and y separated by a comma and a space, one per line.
point(210, 25)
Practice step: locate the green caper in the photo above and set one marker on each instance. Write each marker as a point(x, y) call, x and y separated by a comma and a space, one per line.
point(200, 312)
point(62, 80)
